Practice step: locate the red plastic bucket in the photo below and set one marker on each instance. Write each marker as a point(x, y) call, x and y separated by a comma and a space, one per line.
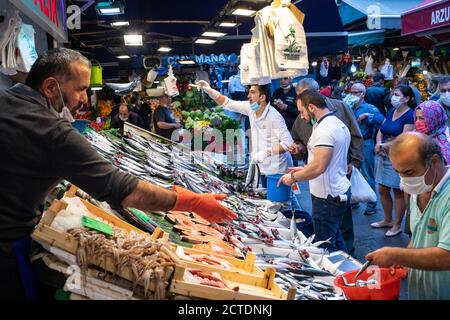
point(388, 287)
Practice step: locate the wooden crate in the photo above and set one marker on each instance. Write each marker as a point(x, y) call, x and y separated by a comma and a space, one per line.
point(65, 241)
point(266, 290)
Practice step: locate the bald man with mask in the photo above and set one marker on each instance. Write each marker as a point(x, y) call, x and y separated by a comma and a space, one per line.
point(423, 174)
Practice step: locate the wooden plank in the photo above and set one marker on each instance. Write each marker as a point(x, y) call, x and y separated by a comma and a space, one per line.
point(212, 293)
point(270, 275)
point(291, 293)
point(232, 275)
point(72, 192)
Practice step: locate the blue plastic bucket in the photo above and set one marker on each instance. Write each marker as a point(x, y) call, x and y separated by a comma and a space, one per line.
point(80, 125)
point(275, 193)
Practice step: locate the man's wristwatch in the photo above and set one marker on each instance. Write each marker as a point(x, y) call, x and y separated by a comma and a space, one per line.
point(293, 178)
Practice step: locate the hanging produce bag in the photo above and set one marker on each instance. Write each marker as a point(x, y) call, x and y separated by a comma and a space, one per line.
point(170, 84)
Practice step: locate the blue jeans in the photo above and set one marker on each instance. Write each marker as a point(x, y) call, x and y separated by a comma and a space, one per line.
point(368, 168)
point(328, 216)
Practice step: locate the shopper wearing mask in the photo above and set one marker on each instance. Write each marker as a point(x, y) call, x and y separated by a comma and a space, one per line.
point(283, 99)
point(40, 149)
point(398, 120)
point(430, 119)
point(270, 136)
point(301, 133)
point(424, 175)
point(163, 119)
point(370, 120)
point(444, 90)
point(125, 115)
point(417, 94)
point(326, 170)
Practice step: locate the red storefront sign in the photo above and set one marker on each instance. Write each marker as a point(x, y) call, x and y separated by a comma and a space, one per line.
point(48, 7)
point(428, 16)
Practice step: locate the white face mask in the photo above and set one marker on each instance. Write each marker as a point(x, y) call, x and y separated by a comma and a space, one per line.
point(396, 101)
point(351, 100)
point(123, 118)
point(416, 185)
point(445, 98)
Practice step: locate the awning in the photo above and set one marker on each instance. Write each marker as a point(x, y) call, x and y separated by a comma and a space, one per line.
point(428, 18)
point(380, 14)
point(361, 38)
point(325, 33)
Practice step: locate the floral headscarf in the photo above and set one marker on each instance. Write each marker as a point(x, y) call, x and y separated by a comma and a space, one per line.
point(436, 119)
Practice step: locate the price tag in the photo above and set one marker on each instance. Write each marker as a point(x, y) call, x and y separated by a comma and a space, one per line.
point(141, 215)
point(97, 226)
point(296, 189)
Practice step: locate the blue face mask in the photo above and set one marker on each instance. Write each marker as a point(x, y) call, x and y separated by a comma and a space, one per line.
point(255, 106)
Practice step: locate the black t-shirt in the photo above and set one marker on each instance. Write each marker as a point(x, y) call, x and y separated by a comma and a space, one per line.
point(163, 114)
point(39, 149)
point(133, 118)
point(145, 112)
point(289, 98)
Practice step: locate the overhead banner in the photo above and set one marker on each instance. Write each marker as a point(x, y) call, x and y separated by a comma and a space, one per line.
point(48, 14)
point(426, 18)
point(201, 59)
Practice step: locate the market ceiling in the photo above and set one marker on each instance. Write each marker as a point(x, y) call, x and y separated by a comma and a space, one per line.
point(179, 23)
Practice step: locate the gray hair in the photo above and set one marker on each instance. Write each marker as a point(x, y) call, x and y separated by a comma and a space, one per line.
point(308, 83)
point(444, 80)
point(360, 87)
point(54, 63)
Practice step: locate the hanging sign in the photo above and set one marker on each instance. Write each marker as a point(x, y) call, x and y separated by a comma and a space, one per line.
point(201, 59)
point(426, 18)
point(48, 14)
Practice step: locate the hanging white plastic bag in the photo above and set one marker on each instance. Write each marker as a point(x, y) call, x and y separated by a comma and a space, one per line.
point(151, 77)
point(170, 84)
point(361, 190)
point(27, 48)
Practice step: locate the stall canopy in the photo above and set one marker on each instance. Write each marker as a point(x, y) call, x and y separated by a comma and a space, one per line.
point(180, 23)
point(380, 14)
point(325, 33)
point(431, 17)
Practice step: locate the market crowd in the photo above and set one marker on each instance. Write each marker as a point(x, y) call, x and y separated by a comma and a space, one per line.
point(400, 144)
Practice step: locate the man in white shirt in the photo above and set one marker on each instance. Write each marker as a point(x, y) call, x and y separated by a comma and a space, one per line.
point(270, 136)
point(326, 169)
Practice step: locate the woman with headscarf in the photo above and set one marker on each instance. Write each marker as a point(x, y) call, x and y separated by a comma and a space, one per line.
point(430, 118)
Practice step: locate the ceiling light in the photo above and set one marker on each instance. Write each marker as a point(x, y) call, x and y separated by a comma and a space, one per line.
point(123, 57)
point(186, 62)
point(164, 49)
point(213, 34)
point(396, 49)
point(133, 40)
point(314, 64)
point(205, 41)
point(96, 88)
point(425, 72)
point(243, 12)
point(228, 24)
point(107, 8)
point(120, 24)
